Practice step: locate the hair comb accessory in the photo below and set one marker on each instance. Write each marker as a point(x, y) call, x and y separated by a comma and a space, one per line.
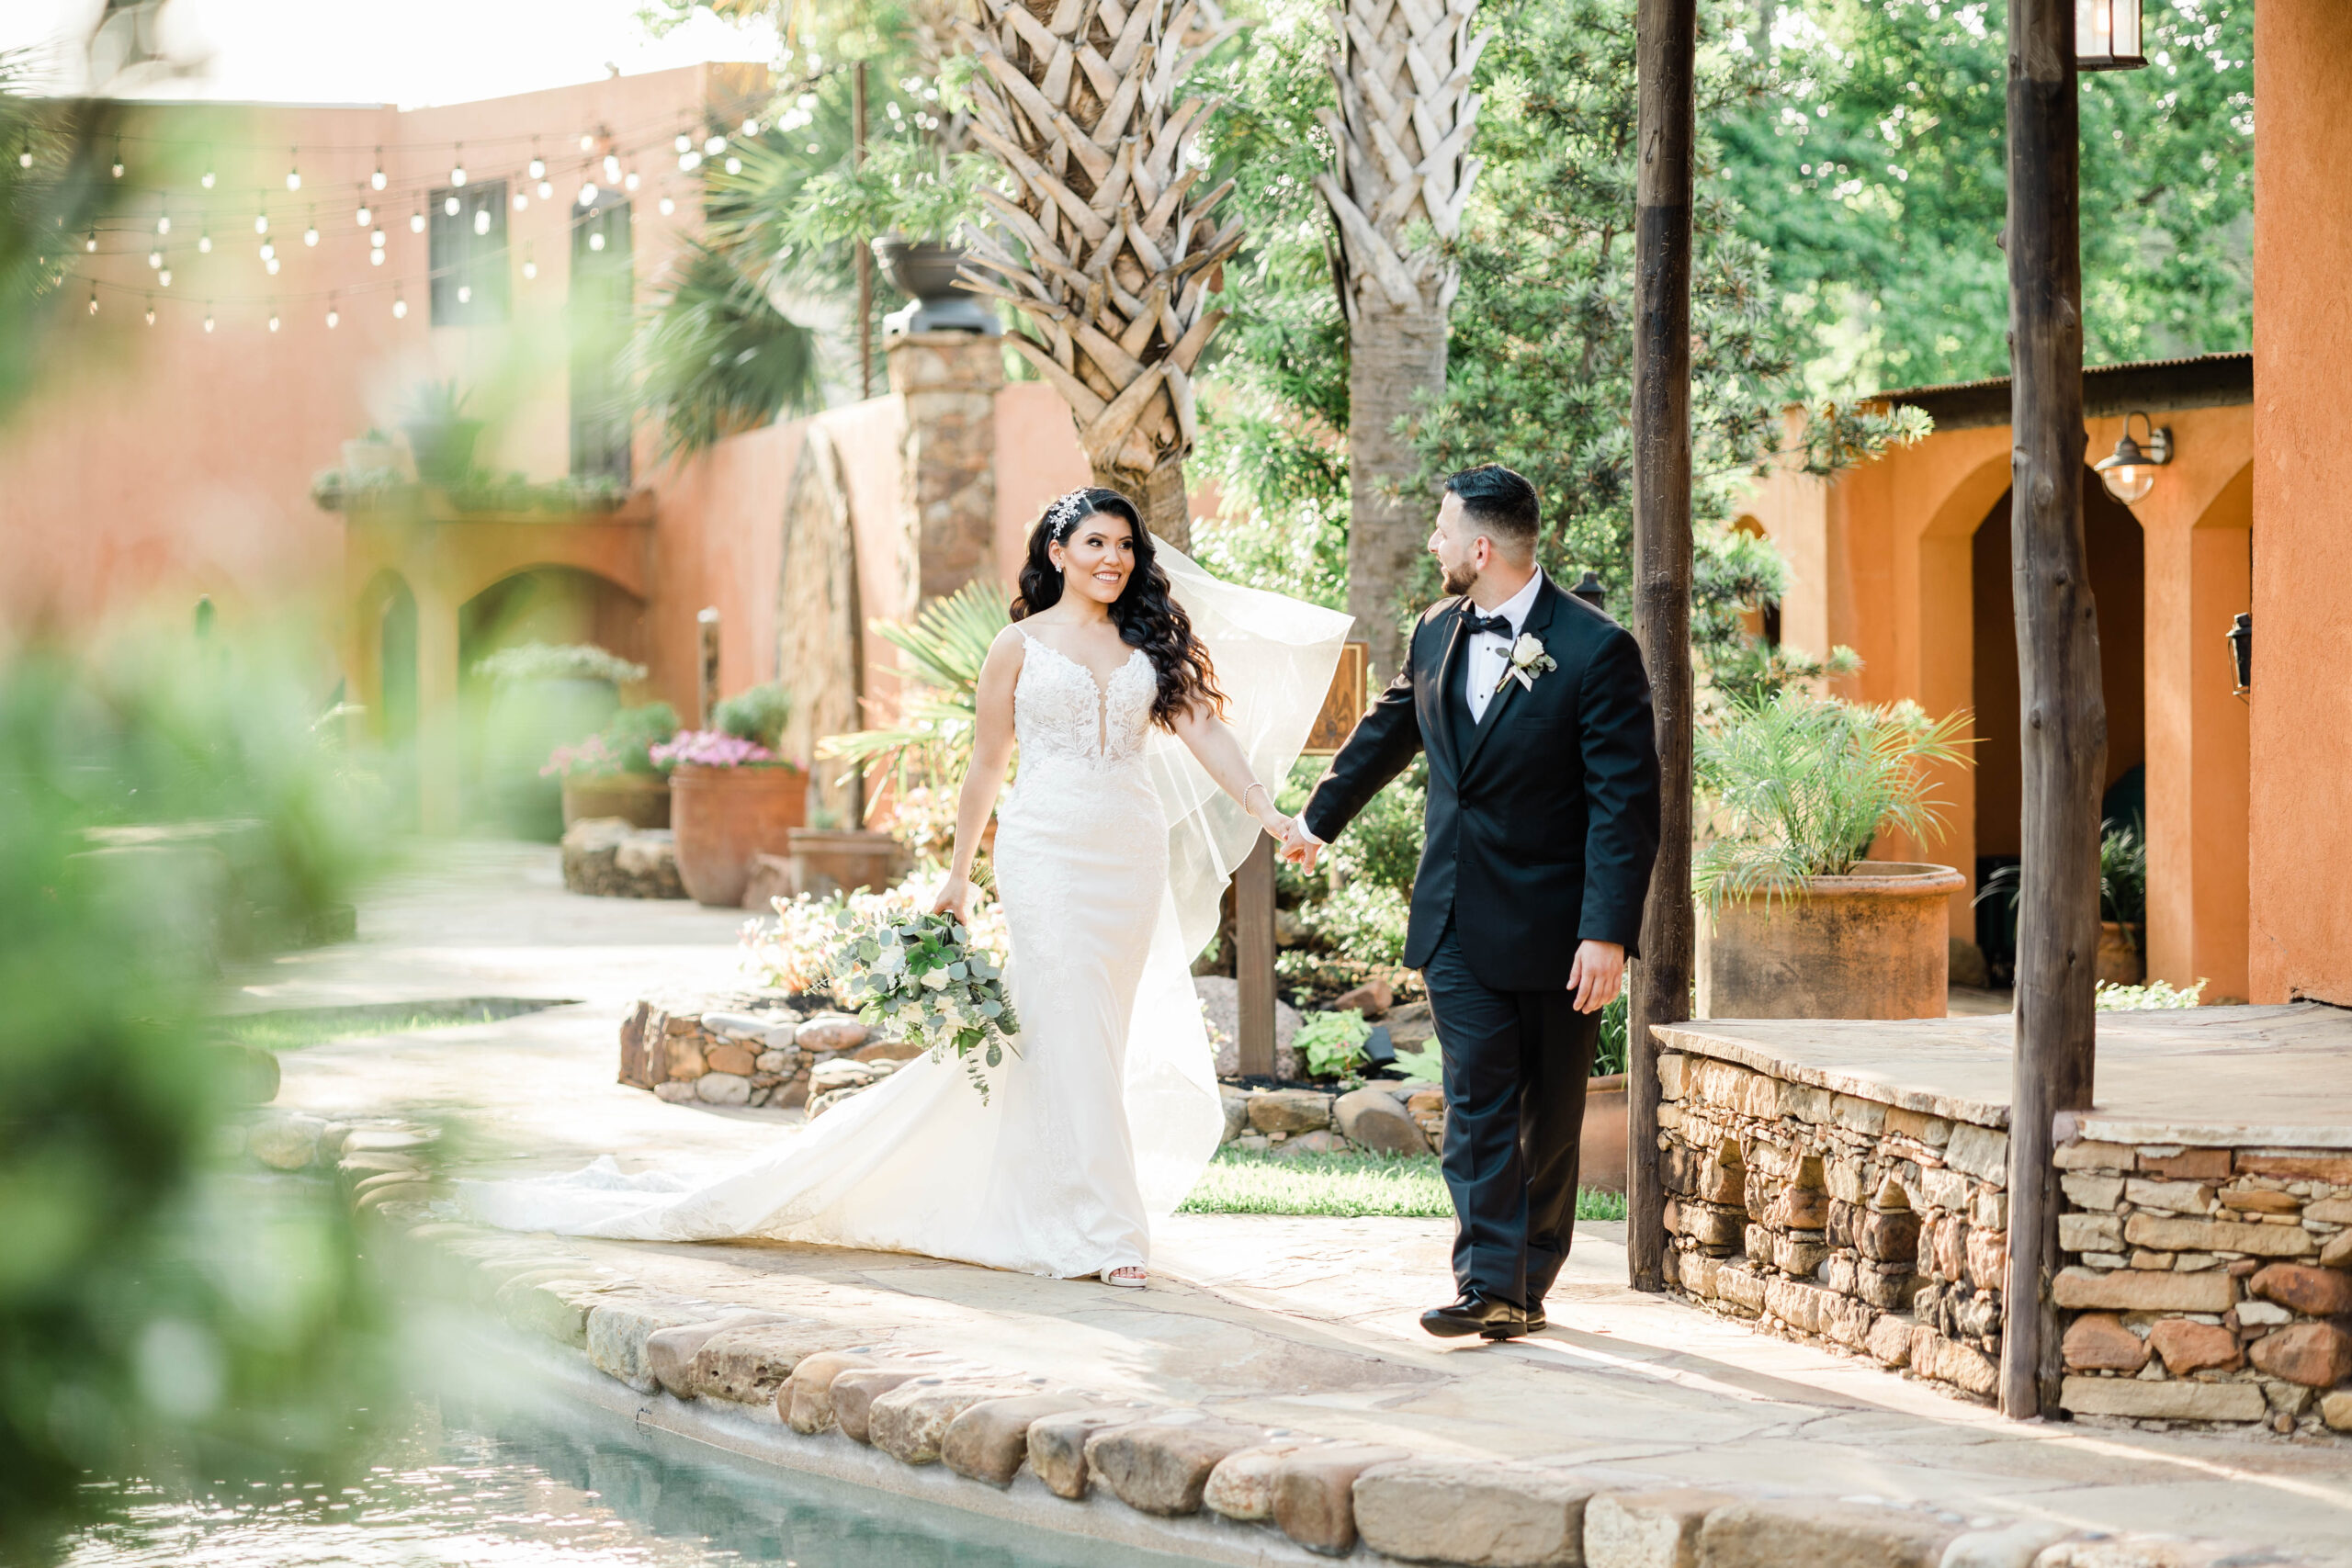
point(1064, 515)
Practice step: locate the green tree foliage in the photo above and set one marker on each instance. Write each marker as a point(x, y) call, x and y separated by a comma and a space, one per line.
point(1873, 173)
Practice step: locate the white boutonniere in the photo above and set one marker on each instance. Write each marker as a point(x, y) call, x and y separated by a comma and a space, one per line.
point(1527, 661)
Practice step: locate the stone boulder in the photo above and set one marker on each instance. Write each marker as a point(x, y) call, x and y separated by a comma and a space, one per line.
point(832, 1031)
point(1221, 1011)
point(1373, 1117)
point(1290, 1111)
point(604, 857)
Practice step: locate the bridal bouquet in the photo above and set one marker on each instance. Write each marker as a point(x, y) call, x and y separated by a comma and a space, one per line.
point(922, 976)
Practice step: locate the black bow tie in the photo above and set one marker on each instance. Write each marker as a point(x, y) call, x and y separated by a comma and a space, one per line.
point(1475, 623)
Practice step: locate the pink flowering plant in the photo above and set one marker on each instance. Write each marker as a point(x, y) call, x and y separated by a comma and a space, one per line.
point(713, 749)
point(590, 759)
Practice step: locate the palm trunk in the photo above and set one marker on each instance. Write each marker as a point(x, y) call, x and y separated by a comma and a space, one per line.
point(1401, 135)
point(1159, 496)
point(1392, 354)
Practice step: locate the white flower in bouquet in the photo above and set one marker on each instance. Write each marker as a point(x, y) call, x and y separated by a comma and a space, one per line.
point(927, 976)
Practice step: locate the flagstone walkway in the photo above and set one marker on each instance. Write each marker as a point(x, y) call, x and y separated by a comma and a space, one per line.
point(1300, 1322)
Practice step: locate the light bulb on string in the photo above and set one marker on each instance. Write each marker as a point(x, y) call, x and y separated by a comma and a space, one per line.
point(310, 233)
point(715, 146)
point(629, 181)
point(208, 315)
point(375, 180)
point(547, 190)
point(151, 312)
point(481, 220)
point(334, 317)
point(261, 222)
point(400, 307)
point(118, 175)
point(416, 221)
point(734, 165)
point(597, 241)
point(539, 164)
point(267, 249)
point(375, 258)
point(457, 166)
point(449, 205)
point(25, 154)
point(689, 162)
point(204, 242)
point(93, 299)
point(273, 321)
point(366, 213)
point(612, 169)
point(376, 239)
point(530, 267)
point(155, 259)
point(668, 206)
point(521, 201)
point(208, 176)
point(587, 142)
point(90, 242)
point(465, 294)
point(751, 128)
point(165, 278)
point(271, 267)
point(163, 222)
point(685, 143)
point(293, 172)
point(588, 193)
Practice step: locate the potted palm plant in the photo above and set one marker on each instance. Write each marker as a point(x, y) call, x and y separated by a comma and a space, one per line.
point(732, 796)
point(1799, 924)
point(440, 437)
point(542, 695)
point(612, 773)
point(909, 200)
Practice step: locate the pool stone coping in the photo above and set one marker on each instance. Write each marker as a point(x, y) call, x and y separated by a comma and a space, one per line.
point(832, 1399)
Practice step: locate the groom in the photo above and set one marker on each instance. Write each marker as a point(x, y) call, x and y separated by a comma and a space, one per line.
point(1542, 822)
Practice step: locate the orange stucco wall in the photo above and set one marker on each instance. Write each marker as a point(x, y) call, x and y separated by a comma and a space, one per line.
point(1887, 558)
point(2302, 841)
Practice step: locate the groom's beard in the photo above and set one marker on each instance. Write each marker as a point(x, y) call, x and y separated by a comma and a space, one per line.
point(1460, 579)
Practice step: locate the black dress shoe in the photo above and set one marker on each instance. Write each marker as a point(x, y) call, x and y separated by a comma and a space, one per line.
point(1536, 1321)
point(1485, 1316)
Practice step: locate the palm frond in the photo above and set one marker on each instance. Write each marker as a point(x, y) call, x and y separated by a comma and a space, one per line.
point(715, 356)
point(930, 745)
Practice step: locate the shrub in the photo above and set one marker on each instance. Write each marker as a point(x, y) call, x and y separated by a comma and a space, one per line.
point(1330, 1043)
point(1365, 920)
point(553, 661)
point(1805, 782)
point(757, 713)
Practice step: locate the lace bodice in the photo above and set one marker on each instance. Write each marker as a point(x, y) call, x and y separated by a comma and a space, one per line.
point(1061, 715)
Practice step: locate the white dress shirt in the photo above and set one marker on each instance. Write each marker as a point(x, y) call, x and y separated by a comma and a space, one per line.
point(1488, 654)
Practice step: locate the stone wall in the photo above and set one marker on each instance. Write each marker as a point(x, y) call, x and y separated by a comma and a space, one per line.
point(750, 1048)
point(1881, 1229)
point(2207, 1284)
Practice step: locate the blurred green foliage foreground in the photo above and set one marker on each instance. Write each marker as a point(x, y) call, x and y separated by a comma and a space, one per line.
point(169, 808)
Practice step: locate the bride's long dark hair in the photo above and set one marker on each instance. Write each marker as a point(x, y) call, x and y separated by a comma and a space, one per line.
point(1147, 617)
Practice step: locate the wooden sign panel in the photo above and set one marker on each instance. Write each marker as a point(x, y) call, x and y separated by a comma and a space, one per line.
point(1344, 703)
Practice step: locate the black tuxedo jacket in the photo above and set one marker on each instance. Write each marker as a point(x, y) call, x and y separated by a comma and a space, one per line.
point(1542, 820)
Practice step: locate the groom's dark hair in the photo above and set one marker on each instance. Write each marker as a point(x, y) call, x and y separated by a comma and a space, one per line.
point(1500, 505)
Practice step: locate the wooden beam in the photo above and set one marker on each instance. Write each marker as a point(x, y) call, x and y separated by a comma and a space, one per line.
point(1253, 957)
point(1665, 41)
point(706, 665)
point(864, 245)
point(2063, 727)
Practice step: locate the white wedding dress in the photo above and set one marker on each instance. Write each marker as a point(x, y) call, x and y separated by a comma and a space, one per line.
point(1113, 851)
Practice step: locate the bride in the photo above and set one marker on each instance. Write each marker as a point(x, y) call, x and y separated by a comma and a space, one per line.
point(1151, 704)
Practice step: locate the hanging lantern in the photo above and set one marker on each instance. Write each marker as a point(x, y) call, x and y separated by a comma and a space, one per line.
point(2106, 35)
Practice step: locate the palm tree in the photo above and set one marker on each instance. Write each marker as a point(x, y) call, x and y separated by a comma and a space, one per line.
point(1106, 249)
point(1402, 134)
point(715, 355)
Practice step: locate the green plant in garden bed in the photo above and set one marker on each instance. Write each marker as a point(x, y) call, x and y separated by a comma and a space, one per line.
point(1804, 784)
point(1332, 1043)
point(1344, 1186)
point(557, 661)
point(931, 744)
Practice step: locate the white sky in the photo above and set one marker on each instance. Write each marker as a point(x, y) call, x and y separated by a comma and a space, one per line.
point(404, 51)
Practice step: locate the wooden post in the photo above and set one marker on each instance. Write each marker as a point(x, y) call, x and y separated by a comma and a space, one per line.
point(865, 252)
point(1664, 39)
point(1253, 957)
point(2063, 727)
point(705, 665)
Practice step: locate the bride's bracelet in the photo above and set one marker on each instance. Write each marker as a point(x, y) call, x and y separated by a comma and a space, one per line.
point(1253, 784)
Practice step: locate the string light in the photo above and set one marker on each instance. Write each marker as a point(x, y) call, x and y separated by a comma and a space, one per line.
point(261, 222)
point(481, 220)
point(668, 206)
point(597, 241)
point(25, 156)
point(366, 213)
point(400, 307)
point(685, 143)
point(734, 165)
point(269, 250)
point(273, 321)
point(93, 299)
point(151, 311)
point(449, 205)
point(751, 128)
point(165, 278)
point(207, 181)
point(293, 173)
point(271, 265)
point(539, 164)
point(375, 258)
point(91, 243)
point(547, 190)
point(208, 315)
point(163, 223)
point(457, 166)
point(310, 234)
point(416, 221)
point(628, 182)
point(612, 169)
point(334, 317)
point(521, 202)
point(587, 142)
point(377, 179)
point(376, 239)
point(117, 172)
point(465, 294)
point(715, 146)
point(588, 193)
point(689, 162)
point(530, 267)
point(204, 240)
point(155, 259)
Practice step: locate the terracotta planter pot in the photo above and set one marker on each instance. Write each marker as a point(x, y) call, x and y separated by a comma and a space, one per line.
point(723, 817)
point(1600, 1157)
point(1875, 944)
point(642, 800)
point(2121, 961)
point(825, 862)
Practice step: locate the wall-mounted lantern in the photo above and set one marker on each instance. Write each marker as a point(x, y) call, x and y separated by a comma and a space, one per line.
point(2240, 640)
point(2106, 35)
point(1589, 590)
point(2131, 473)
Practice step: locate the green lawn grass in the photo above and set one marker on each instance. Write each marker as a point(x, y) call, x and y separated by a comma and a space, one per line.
point(292, 1028)
point(1344, 1186)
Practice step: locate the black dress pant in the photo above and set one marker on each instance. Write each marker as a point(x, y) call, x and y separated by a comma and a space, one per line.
point(1516, 1064)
